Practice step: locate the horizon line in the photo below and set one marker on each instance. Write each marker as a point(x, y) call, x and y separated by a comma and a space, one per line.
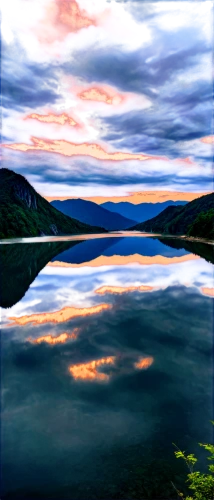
point(135, 198)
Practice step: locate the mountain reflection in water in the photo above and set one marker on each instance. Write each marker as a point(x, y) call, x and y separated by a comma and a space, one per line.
point(107, 360)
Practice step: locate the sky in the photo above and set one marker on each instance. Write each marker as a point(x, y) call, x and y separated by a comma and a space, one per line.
point(109, 100)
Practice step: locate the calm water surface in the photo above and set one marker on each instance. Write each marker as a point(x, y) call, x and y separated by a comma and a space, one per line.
point(106, 360)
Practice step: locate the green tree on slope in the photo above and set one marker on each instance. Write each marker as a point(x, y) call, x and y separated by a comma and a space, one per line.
point(201, 484)
point(203, 225)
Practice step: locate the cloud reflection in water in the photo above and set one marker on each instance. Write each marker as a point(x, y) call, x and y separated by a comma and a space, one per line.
point(137, 377)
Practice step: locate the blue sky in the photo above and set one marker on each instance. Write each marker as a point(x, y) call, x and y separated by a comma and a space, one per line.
point(108, 99)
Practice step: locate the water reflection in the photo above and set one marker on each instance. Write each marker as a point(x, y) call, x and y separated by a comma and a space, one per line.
point(20, 263)
point(89, 371)
point(63, 337)
point(61, 316)
point(104, 366)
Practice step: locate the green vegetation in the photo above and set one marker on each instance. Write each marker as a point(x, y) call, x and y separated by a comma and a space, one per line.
point(201, 484)
point(203, 225)
point(23, 212)
point(194, 219)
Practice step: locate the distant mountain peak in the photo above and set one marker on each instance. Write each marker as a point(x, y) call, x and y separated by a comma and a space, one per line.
point(91, 213)
point(196, 218)
point(141, 211)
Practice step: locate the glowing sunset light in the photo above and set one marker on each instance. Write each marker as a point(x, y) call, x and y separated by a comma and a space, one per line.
point(118, 289)
point(61, 339)
point(62, 18)
point(208, 291)
point(121, 260)
point(66, 148)
point(103, 94)
point(136, 198)
point(98, 108)
point(208, 140)
point(89, 371)
point(186, 161)
point(51, 118)
point(95, 95)
point(144, 363)
point(61, 316)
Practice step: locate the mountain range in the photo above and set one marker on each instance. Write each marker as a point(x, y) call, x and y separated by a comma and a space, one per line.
point(23, 212)
point(90, 250)
point(194, 219)
point(93, 214)
point(140, 212)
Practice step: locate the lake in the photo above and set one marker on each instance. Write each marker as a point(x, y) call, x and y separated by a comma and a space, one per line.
point(106, 348)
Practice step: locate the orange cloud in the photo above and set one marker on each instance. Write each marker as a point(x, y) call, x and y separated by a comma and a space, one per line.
point(137, 198)
point(67, 124)
point(53, 23)
point(61, 316)
point(61, 20)
point(145, 196)
point(119, 290)
point(208, 140)
point(95, 95)
point(52, 118)
point(61, 339)
point(103, 94)
point(63, 17)
point(89, 371)
point(186, 161)
point(66, 148)
point(208, 291)
point(144, 363)
point(120, 260)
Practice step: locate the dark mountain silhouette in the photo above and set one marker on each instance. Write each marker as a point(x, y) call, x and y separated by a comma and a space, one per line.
point(204, 250)
point(20, 263)
point(87, 251)
point(159, 221)
point(194, 219)
point(23, 212)
point(141, 212)
point(93, 214)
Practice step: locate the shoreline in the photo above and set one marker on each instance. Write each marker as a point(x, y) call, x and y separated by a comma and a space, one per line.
point(188, 238)
point(113, 234)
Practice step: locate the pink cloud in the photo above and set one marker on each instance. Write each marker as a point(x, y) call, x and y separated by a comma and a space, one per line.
point(66, 148)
